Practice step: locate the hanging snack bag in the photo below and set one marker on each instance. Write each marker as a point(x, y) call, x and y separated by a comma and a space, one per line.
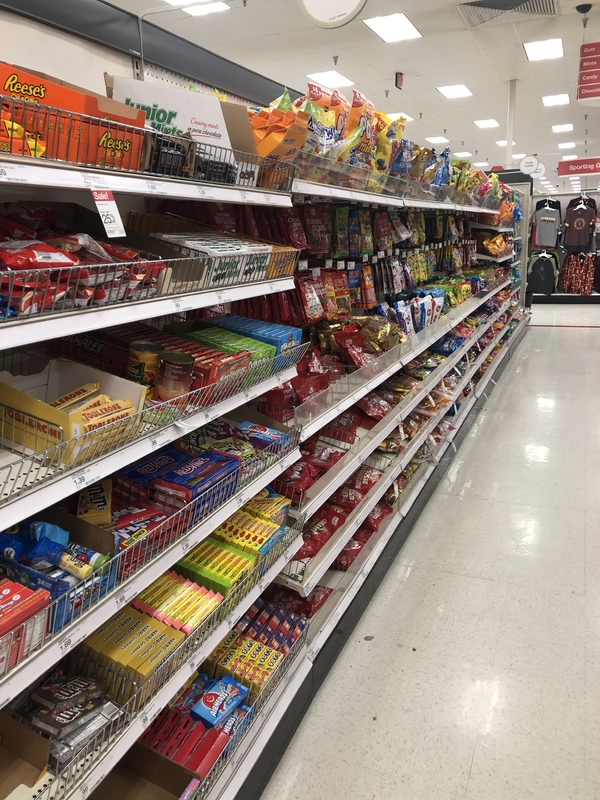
point(361, 116)
point(383, 231)
point(402, 162)
point(340, 246)
point(366, 233)
point(354, 288)
point(388, 143)
point(367, 287)
point(317, 227)
point(353, 233)
point(292, 223)
point(342, 293)
point(326, 281)
point(312, 308)
point(341, 109)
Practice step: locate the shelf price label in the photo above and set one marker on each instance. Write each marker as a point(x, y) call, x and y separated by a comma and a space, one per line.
point(109, 213)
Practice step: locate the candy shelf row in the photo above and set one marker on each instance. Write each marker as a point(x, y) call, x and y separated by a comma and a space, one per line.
point(316, 495)
point(323, 190)
point(317, 412)
point(131, 571)
point(31, 481)
point(93, 764)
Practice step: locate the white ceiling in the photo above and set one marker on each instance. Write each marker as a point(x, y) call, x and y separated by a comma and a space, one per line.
point(274, 38)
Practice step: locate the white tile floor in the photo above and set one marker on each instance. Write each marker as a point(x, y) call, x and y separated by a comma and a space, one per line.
point(482, 676)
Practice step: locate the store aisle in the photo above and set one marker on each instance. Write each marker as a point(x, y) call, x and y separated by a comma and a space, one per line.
point(475, 671)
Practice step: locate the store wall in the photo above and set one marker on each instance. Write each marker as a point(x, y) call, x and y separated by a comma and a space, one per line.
point(31, 44)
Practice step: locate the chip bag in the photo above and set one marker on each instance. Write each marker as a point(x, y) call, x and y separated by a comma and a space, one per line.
point(361, 116)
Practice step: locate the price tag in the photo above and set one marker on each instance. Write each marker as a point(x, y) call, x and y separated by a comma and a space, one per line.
point(109, 213)
point(240, 500)
point(268, 199)
point(247, 395)
point(243, 196)
point(144, 721)
point(380, 254)
point(65, 644)
point(192, 665)
point(84, 790)
point(159, 440)
point(185, 546)
point(219, 298)
point(79, 478)
point(201, 192)
point(316, 272)
point(180, 304)
point(206, 416)
point(13, 173)
point(341, 265)
point(152, 187)
point(396, 251)
point(120, 600)
point(350, 264)
point(94, 181)
point(365, 258)
point(303, 265)
point(328, 263)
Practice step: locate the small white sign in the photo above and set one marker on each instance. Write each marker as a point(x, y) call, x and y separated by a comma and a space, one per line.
point(109, 213)
point(528, 165)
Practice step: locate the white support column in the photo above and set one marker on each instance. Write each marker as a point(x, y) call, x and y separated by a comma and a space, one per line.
point(510, 122)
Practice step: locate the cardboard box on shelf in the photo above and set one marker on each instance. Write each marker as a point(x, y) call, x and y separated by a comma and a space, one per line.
point(24, 758)
point(143, 774)
point(86, 134)
point(30, 421)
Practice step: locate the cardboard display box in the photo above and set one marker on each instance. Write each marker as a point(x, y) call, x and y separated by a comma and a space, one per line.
point(24, 758)
point(86, 133)
point(143, 774)
point(71, 600)
point(31, 422)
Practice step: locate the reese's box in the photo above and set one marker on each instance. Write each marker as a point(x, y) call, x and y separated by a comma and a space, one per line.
point(77, 126)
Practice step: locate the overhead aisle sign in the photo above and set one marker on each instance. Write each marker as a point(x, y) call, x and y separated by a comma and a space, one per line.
point(588, 83)
point(579, 166)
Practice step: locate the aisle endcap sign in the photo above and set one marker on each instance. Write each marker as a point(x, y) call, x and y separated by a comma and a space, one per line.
point(579, 166)
point(588, 83)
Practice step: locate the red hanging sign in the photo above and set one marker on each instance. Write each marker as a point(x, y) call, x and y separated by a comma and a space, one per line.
point(579, 166)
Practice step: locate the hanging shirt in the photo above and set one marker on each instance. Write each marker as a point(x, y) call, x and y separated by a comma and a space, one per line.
point(579, 224)
point(547, 227)
point(541, 275)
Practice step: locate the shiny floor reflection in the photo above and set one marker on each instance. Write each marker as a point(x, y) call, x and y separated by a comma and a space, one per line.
point(482, 676)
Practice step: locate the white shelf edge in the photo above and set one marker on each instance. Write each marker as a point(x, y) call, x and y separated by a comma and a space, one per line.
point(37, 329)
point(47, 174)
point(77, 631)
point(481, 257)
point(49, 493)
point(426, 336)
point(131, 734)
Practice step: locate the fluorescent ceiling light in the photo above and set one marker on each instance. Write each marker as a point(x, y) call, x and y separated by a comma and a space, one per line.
point(466, 154)
point(401, 114)
point(503, 143)
point(331, 79)
point(436, 139)
point(393, 28)
point(458, 90)
point(562, 128)
point(566, 145)
point(209, 8)
point(569, 158)
point(518, 156)
point(481, 164)
point(539, 51)
point(181, 3)
point(486, 123)
point(556, 100)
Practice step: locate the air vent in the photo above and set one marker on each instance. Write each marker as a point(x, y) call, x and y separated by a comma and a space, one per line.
point(502, 12)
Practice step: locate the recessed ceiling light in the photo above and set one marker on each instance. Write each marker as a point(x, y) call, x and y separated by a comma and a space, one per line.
point(481, 164)
point(393, 28)
point(518, 156)
point(331, 79)
point(503, 143)
point(458, 90)
point(466, 154)
point(181, 2)
point(569, 158)
point(209, 8)
point(436, 139)
point(486, 123)
point(556, 100)
point(566, 145)
point(401, 114)
point(539, 51)
point(562, 128)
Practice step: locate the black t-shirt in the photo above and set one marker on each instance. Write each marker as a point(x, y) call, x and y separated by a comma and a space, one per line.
point(541, 275)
